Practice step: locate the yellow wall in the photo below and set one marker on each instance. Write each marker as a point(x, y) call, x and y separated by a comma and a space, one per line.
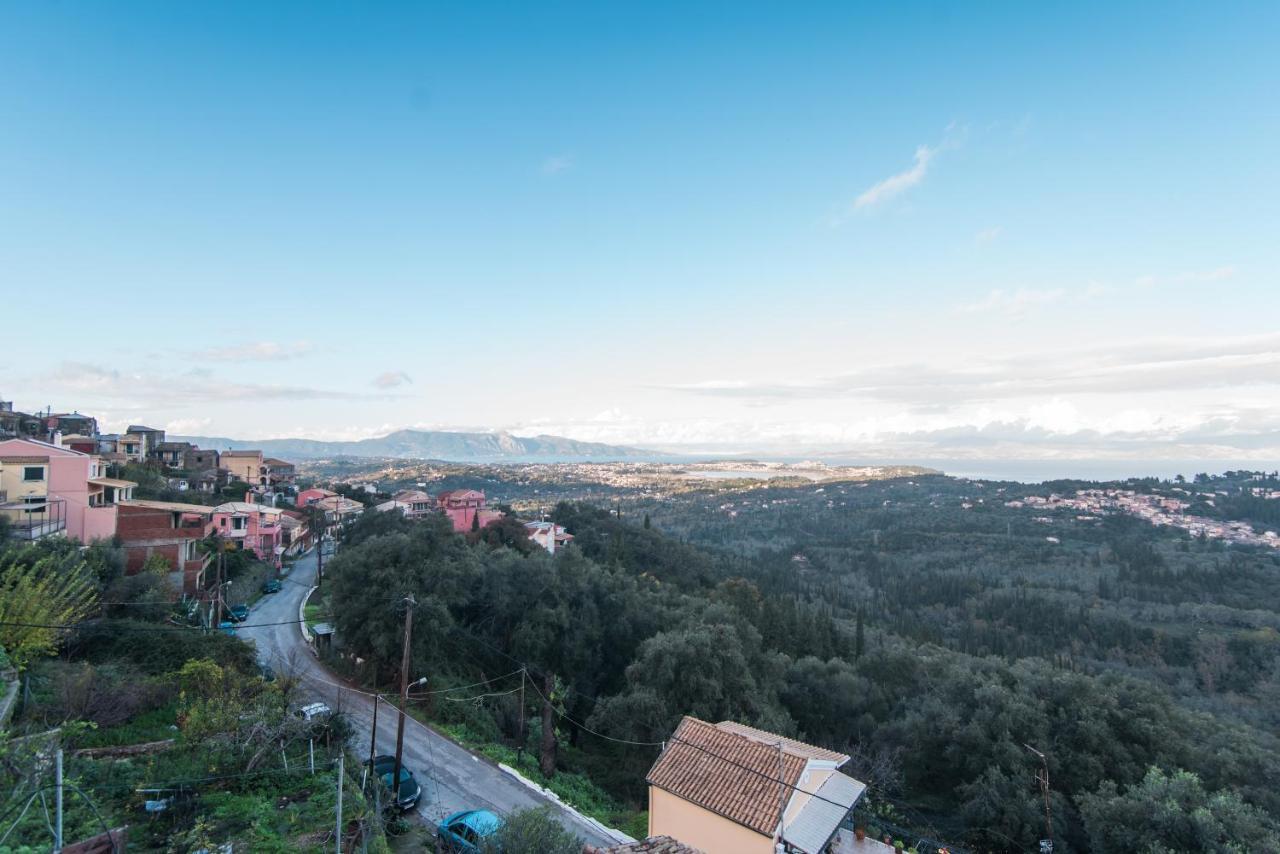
point(692, 825)
point(11, 481)
point(243, 468)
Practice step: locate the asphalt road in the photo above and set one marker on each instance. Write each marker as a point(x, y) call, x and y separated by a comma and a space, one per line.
point(452, 778)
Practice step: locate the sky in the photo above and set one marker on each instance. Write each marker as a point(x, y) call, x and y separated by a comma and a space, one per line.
point(909, 229)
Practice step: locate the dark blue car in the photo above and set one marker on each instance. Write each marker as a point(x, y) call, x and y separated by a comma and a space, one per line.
point(466, 831)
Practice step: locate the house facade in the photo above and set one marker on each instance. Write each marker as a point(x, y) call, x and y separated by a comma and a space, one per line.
point(170, 529)
point(731, 789)
point(47, 489)
point(416, 503)
point(252, 527)
point(549, 535)
point(173, 455)
point(150, 436)
point(465, 509)
point(307, 497)
point(244, 465)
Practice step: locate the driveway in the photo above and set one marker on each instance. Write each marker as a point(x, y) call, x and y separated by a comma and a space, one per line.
point(452, 778)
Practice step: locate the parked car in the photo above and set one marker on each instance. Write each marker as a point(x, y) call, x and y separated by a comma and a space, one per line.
point(240, 613)
point(465, 832)
point(227, 628)
point(410, 790)
point(271, 585)
point(313, 711)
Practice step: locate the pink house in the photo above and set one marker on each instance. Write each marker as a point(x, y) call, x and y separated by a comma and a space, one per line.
point(465, 507)
point(307, 497)
point(253, 527)
point(48, 489)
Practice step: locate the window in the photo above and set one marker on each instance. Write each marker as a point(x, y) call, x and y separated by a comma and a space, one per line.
point(30, 473)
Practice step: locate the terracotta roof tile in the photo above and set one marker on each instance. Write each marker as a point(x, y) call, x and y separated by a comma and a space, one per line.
point(790, 745)
point(727, 773)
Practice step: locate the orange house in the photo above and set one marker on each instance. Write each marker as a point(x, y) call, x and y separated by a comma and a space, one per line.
point(728, 788)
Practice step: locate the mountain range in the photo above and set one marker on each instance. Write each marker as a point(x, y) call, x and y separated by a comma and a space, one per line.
point(434, 445)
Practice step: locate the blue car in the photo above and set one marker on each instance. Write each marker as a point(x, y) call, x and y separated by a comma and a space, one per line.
point(466, 831)
point(227, 628)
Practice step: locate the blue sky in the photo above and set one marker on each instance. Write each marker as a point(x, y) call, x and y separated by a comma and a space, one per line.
point(908, 228)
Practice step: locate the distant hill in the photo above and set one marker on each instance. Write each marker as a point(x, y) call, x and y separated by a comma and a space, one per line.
point(433, 445)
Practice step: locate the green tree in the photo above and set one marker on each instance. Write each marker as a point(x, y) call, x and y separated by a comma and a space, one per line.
point(40, 594)
point(1174, 812)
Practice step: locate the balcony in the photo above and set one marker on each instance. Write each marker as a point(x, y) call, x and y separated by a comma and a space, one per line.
point(31, 519)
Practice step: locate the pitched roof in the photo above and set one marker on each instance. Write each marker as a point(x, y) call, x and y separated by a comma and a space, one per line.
point(34, 447)
point(411, 495)
point(727, 773)
point(790, 745)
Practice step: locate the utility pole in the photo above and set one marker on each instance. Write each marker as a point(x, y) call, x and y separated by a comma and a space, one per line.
point(57, 772)
point(409, 602)
point(1042, 777)
point(319, 514)
point(218, 597)
point(337, 823)
point(373, 739)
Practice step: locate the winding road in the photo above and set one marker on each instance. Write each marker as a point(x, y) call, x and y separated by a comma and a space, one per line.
point(452, 777)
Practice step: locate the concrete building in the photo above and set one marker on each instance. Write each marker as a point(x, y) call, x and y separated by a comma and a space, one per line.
point(47, 489)
point(731, 789)
point(549, 535)
point(244, 465)
point(465, 508)
point(252, 527)
point(170, 529)
point(416, 503)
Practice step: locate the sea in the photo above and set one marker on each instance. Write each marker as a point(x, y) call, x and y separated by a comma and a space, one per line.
point(1039, 471)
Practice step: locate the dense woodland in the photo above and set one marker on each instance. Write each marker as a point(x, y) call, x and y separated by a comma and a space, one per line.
point(929, 640)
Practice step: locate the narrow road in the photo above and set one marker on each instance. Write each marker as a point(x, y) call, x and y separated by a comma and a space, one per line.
point(452, 778)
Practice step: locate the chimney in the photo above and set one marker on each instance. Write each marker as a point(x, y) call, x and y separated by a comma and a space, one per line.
point(57, 438)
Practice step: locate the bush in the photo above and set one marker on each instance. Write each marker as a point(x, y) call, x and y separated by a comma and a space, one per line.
point(533, 830)
point(155, 650)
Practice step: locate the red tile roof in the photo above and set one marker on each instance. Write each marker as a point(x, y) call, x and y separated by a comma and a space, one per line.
point(727, 773)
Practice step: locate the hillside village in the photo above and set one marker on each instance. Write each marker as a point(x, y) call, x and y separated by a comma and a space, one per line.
point(263, 568)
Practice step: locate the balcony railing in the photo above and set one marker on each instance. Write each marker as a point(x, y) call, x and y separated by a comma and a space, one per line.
point(31, 520)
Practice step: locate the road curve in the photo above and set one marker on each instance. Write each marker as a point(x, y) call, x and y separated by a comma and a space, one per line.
point(452, 778)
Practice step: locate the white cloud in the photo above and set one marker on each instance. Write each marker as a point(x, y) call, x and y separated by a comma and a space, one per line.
point(256, 351)
point(1215, 274)
point(1164, 365)
point(161, 391)
point(1014, 303)
point(897, 184)
point(987, 235)
point(391, 379)
point(556, 164)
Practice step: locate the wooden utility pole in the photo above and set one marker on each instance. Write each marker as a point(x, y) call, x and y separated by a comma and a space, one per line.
point(1042, 777)
point(337, 822)
point(373, 739)
point(409, 602)
point(318, 514)
point(218, 597)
